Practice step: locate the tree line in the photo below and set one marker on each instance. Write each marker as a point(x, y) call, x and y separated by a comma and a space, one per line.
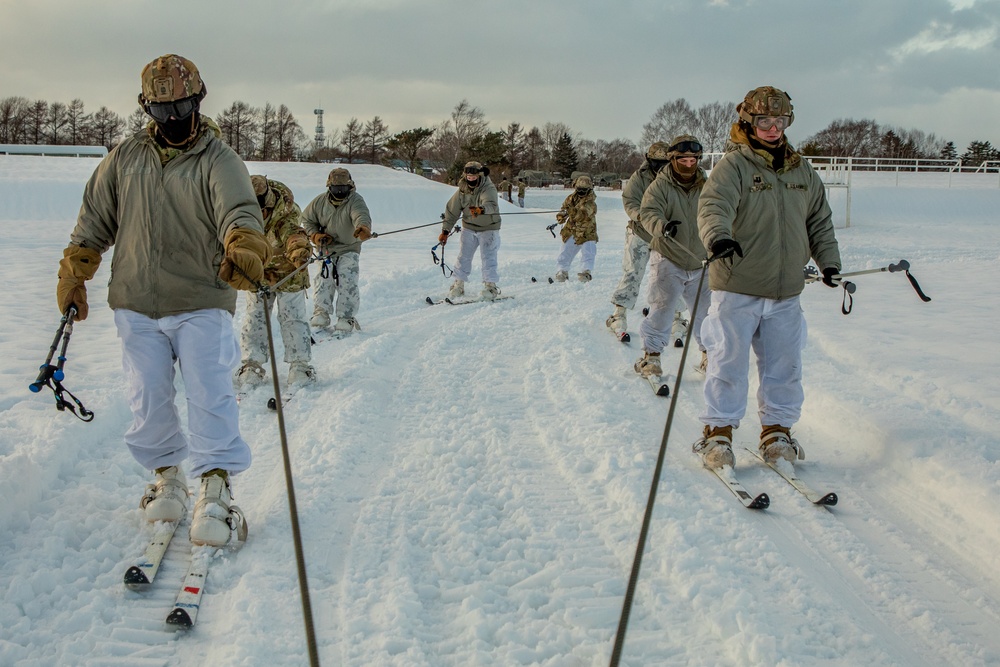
point(273, 134)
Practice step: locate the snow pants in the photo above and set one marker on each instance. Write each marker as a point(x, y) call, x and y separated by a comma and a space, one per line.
point(343, 283)
point(634, 260)
point(570, 249)
point(202, 343)
point(776, 331)
point(488, 244)
point(668, 283)
point(291, 308)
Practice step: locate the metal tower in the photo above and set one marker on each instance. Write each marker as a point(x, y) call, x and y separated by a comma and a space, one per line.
point(320, 137)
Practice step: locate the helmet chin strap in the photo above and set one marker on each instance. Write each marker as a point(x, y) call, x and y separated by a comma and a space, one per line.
point(186, 140)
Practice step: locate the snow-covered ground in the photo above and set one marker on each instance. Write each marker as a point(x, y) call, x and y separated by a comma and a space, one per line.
point(471, 480)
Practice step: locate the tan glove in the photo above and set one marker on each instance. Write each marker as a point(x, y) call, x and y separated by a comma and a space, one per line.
point(476, 211)
point(78, 265)
point(247, 252)
point(297, 249)
point(362, 233)
point(443, 237)
point(320, 239)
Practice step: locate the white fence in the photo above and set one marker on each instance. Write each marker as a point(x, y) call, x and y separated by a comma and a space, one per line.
point(46, 149)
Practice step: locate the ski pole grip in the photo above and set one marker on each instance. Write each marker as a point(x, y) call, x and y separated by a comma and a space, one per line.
point(901, 265)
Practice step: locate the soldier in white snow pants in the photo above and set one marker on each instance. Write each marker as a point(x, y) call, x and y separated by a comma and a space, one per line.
point(488, 243)
point(735, 323)
point(203, 345)
point(667, 284)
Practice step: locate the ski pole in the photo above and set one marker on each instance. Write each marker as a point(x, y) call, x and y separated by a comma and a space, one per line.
point(901, 265)
point(647, 518)
point(444, 267)
point(51, 376)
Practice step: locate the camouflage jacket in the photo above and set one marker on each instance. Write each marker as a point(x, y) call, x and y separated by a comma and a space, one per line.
point(167, 221)
point(580, 218)
point(284, 232)
point(484, 195)
point(779, 218)
point(520, 190)
point(667, 200)
point(632, 193)
point(339, 220)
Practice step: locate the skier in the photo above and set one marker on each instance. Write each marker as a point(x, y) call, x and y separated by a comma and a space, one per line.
point(338, 222)
point(579, 233)
point(636, 254)
point(669, 213)
point(289, 249)
point(177, 204)
point(476, 203)
point(520, 192)
point(506, 188)
point(763, 212)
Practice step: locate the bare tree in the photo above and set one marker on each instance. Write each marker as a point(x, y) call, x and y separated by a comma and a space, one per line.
point(352, 138)
point(288, 133)
point(239, 125)
point(469, 123)
point(267, 137)
point(55, 124)
point(668, 121)
point(78, 124)
point(14, 120)
point(106, 127)
point(514, 143)
point(713, 124)
point(534, 149)
point(136, 122)
point(375, 134)
point(846, 137)
point(552, 135)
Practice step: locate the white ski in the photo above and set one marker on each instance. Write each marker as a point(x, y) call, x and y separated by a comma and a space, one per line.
point(788, 474)
point(140, 576)
point(188, 602)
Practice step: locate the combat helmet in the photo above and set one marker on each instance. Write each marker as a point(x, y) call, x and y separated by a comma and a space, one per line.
point(765, 101)
point(685, 145)
point(658, 151)
point(170, 78)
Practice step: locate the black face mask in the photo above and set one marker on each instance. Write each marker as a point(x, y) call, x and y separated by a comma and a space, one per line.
point(178, 132)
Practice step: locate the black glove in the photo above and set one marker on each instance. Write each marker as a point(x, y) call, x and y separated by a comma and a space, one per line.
point(829, 273)
point(725, 248)
point(670, 229)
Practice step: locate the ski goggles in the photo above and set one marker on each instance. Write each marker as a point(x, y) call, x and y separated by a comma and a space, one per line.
point(473, 170)
point(767, 122)
point(339, 191)
point(692, 147)
point(179, 109)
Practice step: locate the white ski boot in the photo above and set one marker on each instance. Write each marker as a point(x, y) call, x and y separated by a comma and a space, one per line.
point(584, 276)
point(649, 365)
point(215, 517)
point(457, 289)
point(320, 319)
point(777, 443)
point(346, 325)
point(716, 447)
point(616, 322)
point(250, 374)
point(490, 291)
point(300, 373)
point(166, 498)
point(562, 276)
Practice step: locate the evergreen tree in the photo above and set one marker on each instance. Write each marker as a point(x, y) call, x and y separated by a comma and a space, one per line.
point(564, 157)
point(407, 145)
point(949, 152)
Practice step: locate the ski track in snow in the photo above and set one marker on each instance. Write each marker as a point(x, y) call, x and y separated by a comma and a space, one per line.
point(471, 481)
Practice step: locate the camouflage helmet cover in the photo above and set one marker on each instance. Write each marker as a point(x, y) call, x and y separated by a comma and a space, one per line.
point(766, 101)
point(339, 176)
point(680, 139)
point(583, 181)
point(658, 151)
point(474, 165)
point(170, 78)
point(261, 188)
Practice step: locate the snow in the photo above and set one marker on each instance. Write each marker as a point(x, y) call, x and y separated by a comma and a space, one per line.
point(471, 480)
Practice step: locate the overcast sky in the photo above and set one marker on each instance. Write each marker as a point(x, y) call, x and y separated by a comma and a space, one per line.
point(602, 67)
